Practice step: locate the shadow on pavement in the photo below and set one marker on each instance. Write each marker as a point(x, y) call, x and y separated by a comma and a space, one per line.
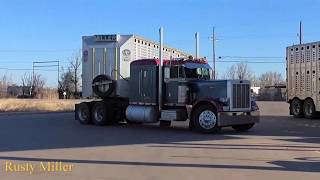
point(52, 131)
point(60, 130)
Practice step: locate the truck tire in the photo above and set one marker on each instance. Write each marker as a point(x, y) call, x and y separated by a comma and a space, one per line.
point(100, 86)
point(204, 119)
point(102, 113)
point(243, 127)
point(83, 113)
point(296, 108)
point(309, 109)
point(165, 123)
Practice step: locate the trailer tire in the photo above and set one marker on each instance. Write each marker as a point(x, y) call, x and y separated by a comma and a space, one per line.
point(204, 119)
point(243, 127)
point(83, 113)
point(99, 89)
point(102, 113)
point(296, 108)
point(309, 109)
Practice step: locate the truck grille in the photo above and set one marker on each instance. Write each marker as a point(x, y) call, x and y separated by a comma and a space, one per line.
point(241, 96)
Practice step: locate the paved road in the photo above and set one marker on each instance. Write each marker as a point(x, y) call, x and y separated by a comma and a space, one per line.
point(280, 147)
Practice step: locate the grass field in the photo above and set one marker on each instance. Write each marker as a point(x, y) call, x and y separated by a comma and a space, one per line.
point(25, 105)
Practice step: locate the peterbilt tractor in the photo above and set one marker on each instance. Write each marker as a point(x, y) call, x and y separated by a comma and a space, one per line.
point(181, 91)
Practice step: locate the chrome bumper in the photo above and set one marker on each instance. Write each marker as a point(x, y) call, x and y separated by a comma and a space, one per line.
point(238, 118)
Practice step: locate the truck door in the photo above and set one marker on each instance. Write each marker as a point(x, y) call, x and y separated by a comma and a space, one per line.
point(147, 85)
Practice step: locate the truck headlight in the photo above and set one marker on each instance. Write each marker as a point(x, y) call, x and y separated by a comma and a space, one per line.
point(224, 100)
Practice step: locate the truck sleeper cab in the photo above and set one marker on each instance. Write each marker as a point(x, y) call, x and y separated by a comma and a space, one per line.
point(188, 94)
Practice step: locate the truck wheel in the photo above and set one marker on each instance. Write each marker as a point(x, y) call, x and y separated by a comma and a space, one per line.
point(309, 109)
point(204, 119)
point(83, 113)
point(165, 123)
point(101, 113)
point(296, 108)
point(243, 127)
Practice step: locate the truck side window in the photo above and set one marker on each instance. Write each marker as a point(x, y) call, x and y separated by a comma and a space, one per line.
point(174, 72)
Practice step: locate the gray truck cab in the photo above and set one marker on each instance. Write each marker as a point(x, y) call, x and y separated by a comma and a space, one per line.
point(189, 94)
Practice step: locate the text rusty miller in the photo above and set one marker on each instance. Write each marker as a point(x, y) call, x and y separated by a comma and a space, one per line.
point(41, 166)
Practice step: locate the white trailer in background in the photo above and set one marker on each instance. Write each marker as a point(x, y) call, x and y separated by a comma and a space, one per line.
point(303, 79)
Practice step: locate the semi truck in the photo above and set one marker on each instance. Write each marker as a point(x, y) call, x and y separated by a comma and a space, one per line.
point(176, 89)
point(303, 76)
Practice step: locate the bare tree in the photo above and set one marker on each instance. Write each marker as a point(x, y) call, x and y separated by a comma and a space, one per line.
point(75, 65)
point(75, 69)
point(4, 83)
point(26, 81)
point(38, 84)
point(239, 71)
point(270, 79)
point(66, 83)
point(32, 84)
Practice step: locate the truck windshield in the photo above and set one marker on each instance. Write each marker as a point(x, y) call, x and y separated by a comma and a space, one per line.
point(199, 73)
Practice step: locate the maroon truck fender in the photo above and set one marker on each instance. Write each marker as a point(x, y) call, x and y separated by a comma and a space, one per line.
point(213, 102)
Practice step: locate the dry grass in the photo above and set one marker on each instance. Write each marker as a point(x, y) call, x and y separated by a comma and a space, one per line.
point(23, 105)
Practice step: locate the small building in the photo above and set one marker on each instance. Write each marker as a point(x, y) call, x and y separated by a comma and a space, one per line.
point(18, 91)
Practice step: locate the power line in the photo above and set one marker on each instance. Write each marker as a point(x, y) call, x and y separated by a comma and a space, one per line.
point(39, 50)
point(252, 57)
point(251, 62)
point(24, 69)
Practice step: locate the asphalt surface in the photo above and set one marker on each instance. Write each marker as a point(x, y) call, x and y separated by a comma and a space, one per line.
point(279, 147)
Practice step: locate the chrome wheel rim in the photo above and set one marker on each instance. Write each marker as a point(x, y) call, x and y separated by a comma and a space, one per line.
point(207, 119)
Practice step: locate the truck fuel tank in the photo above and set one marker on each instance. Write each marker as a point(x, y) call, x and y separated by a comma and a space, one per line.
point(137, 113)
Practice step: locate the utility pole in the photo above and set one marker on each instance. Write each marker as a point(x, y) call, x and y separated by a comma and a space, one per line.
point(197, 36)
point(300, 33)
point(213, 54)
point(160, 69)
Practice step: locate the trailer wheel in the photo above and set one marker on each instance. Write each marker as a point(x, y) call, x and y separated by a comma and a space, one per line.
point(243, 127)
point(296, 108)
point(309, 109)
point(101, 113)
point(204, 119)
point(165, 123)
point(83, 113)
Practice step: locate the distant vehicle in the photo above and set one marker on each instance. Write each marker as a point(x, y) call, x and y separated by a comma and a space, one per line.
point(182, 90)
point(303, 79)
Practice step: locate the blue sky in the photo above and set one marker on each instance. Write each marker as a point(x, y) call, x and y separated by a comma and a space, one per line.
point(51, 30)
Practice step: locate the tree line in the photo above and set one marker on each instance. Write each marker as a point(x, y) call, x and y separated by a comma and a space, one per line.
point(242, 71)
